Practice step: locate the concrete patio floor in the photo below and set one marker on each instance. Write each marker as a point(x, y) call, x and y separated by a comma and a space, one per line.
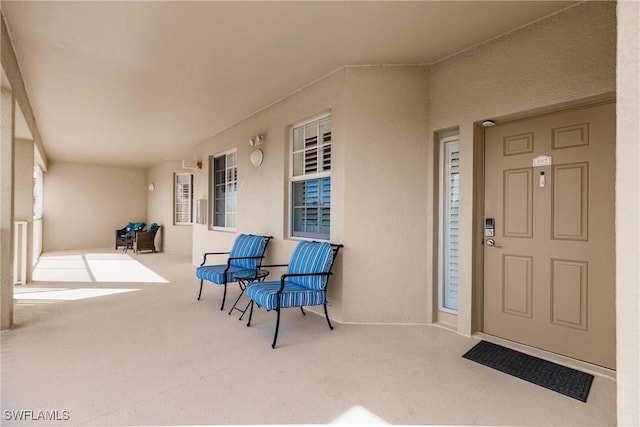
point(123, 341)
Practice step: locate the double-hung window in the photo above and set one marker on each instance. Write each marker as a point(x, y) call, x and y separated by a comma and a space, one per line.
point(224, 188)
point(183, 199)
point(311, 179)
point(449, 222)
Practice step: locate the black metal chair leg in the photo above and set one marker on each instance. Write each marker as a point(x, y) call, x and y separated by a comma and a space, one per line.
point(250, 314)
point(275, 337)
point(200, 293)
point(224, 297)
point(326, 313)
point(302, 310)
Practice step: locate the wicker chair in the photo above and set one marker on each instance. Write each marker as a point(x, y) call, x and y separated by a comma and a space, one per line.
point(124, 235)
point(122, 238)
point(145, 240)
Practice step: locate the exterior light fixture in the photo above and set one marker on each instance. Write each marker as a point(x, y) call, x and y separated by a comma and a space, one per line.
point(256, 155)
point(257, 140)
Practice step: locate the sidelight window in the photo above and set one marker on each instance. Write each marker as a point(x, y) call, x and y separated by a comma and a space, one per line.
point(449, 222)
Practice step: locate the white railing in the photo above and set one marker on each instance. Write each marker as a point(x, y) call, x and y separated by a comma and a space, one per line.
point(20, 253)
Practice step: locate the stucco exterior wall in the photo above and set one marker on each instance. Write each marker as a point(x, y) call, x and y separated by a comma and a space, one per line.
point(385, 203)
point(262, 205)
point(377, 120)
point(383, 174)
point(85, 204)
point(563, 59)
point(175, 239)
point(627, 219)
point(23, 188)
point(7, 176)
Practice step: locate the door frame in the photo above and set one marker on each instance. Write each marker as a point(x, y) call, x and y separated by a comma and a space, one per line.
point(477, 262)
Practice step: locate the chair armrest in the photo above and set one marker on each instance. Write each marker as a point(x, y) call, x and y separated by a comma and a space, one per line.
point(263, 267)
point(274, 265)
point(143, 235)
point(241, 257)
point(204, 260)
point(245, 257)
point(284, 276)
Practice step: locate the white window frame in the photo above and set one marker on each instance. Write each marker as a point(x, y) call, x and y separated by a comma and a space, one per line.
point(304, 176)
point(176, 202)
point(449, 143)
point(212, 190)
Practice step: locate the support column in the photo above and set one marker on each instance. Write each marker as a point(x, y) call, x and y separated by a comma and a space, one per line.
point(23, 155)
point(627, 206)
point(7, 125)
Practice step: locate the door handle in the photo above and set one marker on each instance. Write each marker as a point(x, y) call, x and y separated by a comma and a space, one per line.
point(492, 243)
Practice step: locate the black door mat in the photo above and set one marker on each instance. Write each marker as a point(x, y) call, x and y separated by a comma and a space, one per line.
point(570, 382)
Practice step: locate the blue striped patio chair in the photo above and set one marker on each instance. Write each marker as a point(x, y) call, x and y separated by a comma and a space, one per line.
point(304, 284)
point(246, 255)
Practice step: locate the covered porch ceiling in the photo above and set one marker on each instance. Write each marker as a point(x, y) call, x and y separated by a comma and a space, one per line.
point(137, 83)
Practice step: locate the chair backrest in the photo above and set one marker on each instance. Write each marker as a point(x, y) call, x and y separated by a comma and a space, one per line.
point(132, 227)
point(248, 245)
point(312, 257)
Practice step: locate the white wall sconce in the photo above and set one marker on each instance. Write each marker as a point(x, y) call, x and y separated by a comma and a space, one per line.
point(256, 141)
point(256, 158)
point(152, 187)
point(257, 155)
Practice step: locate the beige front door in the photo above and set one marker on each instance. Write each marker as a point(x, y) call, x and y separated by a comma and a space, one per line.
point(549, 272)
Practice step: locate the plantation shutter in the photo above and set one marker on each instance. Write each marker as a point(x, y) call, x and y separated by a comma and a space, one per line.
point(183, 198)
point(312, 147)
point(311, 179)
point(451, 224)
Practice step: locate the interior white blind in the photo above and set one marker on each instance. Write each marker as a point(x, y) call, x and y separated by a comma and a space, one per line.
point(450, 224)
point(183, 198)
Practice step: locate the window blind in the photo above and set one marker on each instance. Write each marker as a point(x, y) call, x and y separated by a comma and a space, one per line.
point(183, 213)
point(312, 147)
point(451, 190)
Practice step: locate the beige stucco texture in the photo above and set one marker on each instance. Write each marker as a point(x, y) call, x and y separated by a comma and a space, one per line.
point(384, 196)
point(87, 203)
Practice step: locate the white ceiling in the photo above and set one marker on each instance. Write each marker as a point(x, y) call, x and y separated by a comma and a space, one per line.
point(136, 83)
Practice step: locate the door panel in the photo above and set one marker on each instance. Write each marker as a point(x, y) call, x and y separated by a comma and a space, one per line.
point(517, 278)
point(549, 279)
point(570, 208)
point(518, 203)
point(569, 293)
